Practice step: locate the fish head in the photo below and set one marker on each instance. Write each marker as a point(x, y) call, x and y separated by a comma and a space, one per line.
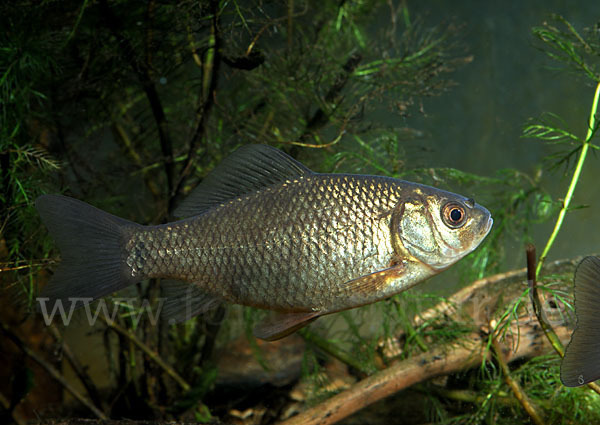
point(438, 228)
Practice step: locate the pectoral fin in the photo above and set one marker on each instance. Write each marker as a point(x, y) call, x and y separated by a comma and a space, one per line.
point(280, 325)
point(376, 286)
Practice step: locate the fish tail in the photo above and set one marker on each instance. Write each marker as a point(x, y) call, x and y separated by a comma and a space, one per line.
point(581, 363)
point(92, 246)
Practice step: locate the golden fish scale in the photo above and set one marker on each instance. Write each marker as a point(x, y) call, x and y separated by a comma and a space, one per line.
point(291, 246)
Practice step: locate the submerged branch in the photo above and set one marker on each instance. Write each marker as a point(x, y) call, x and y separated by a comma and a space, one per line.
point(55, 374)
point(537, 305)
point(469, 294)
point(442, 360)
point(151, 354)
point(142, 72)
point(6, 405)
point(514, 385)
point(210, 70)
point(79, 370)
point(321, 117)
point(480, 301)
point(466, 396)
point(123, 137)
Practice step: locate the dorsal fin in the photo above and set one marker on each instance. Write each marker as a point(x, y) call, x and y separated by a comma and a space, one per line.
point(248, 169)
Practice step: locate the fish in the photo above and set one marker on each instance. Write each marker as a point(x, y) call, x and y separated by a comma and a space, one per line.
point(581, 362)
point(263, 230)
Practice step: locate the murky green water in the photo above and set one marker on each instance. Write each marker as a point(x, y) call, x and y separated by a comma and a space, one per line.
point(476, 126)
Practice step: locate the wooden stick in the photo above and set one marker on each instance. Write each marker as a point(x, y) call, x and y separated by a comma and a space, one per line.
point(15, 417)
point(451, 305)
point(442, 360)
point(151, 354)
point(79, 370)
point(514, 385)
point(523, 339)
point(51, 371)
point(537, 304)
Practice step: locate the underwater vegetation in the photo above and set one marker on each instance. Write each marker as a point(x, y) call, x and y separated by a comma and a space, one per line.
point(129, 106)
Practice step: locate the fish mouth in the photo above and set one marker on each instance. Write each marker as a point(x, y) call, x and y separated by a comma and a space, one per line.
point(490, 223)
point(485, 231)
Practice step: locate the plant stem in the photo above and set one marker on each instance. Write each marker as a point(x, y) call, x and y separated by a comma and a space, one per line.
point(142, 71)
point(79, 370)
point(515, 387)
point(442, 360)
point(409, 328)
point(333, 351)
point(532, 277)
point(5, 403)
point(55, 374)
point(210, 77)
point(574, 180)
point(466, 396)
point(151, 354)
point(537, 305)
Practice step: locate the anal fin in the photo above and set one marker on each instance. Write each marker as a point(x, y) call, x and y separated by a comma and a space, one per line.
point(280, 325)
point(184, 300)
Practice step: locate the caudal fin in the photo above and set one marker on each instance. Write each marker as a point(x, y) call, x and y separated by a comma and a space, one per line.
point(91, 243)
point(581, 363)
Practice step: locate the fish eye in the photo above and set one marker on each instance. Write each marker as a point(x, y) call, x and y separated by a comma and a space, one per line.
point(454, 215)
